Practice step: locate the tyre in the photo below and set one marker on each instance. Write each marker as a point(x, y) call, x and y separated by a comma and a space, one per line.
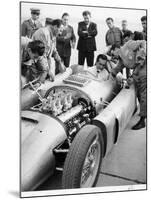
point(83, 161)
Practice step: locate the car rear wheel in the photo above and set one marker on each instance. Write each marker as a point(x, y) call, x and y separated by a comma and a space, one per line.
point(83, 161)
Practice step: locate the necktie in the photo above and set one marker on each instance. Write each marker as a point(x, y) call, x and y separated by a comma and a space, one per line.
point(34, 24)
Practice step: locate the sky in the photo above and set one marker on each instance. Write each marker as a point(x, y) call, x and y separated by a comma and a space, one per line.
point(99, 15)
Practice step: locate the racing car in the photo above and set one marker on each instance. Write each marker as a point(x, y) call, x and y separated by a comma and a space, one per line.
point(71, 128)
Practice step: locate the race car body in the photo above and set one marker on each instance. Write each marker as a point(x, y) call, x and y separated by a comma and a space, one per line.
point(72, 128)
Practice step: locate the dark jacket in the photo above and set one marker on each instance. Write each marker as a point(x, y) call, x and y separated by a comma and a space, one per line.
point(28, 28)
point(144, 35)
point(64, 42)
point(140, 80)
point(38, 70)
point(124, 32)
point(114, 36)
point(87, 41)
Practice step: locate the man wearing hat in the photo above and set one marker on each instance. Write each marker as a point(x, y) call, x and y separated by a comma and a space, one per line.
point(31, 25)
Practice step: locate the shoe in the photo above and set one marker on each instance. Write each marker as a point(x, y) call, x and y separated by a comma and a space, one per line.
point(139, 125)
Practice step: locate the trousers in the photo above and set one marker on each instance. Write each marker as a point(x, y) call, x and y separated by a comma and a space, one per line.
point(89, 56)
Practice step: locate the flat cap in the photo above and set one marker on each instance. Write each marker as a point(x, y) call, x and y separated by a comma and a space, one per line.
point(36, 10)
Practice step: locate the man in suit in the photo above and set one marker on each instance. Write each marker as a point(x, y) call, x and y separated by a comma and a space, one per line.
point(65, 40)
point(31, 25)
point(87, 31)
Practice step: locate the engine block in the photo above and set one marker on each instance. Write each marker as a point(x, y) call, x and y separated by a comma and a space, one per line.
point(68, 106)
point(56, 103)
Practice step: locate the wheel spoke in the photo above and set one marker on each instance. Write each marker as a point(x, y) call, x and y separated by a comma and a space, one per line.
point(92, 152)
point(85, 175)
point(90, 164)
point(86, 152)
point(86, 166)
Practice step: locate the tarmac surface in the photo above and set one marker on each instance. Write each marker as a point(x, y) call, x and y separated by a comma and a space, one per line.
point(124, 165)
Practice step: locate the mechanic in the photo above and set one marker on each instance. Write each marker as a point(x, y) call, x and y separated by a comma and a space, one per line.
point(43, 34)
point(133, 56)
point(127, 35)
point(127, 53)
point(140, 81)
point(48, 35)
point(35, 62)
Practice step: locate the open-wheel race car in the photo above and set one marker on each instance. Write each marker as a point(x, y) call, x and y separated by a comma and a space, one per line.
point(71, 128)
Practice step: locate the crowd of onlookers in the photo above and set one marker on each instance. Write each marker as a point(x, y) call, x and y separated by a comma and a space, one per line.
point(56, 39)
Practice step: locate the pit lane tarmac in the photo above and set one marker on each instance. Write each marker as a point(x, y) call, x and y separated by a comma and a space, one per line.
point(124, 165)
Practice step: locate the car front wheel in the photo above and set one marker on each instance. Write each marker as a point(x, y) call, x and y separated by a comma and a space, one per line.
point(83, 161)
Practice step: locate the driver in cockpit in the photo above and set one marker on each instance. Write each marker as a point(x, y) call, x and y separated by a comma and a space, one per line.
point(102, 67)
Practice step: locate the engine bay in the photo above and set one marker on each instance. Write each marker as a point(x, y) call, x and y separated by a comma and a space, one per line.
point(60, 99)
point(69, 105)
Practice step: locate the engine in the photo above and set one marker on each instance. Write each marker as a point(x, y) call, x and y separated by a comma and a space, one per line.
point(69, 105)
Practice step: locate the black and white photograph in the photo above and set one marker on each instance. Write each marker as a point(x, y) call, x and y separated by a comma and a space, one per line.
point(83, 99)
point(75, 100)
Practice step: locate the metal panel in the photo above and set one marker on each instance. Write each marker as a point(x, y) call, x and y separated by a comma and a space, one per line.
point(121, 109)
point(37, 159)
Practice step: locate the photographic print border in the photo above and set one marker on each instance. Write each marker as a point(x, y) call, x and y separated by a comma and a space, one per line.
point(77, 191)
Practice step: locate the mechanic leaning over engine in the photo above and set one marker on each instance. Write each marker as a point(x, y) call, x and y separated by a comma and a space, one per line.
point(34, 64)
point(132, 55)
point(48, 35)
